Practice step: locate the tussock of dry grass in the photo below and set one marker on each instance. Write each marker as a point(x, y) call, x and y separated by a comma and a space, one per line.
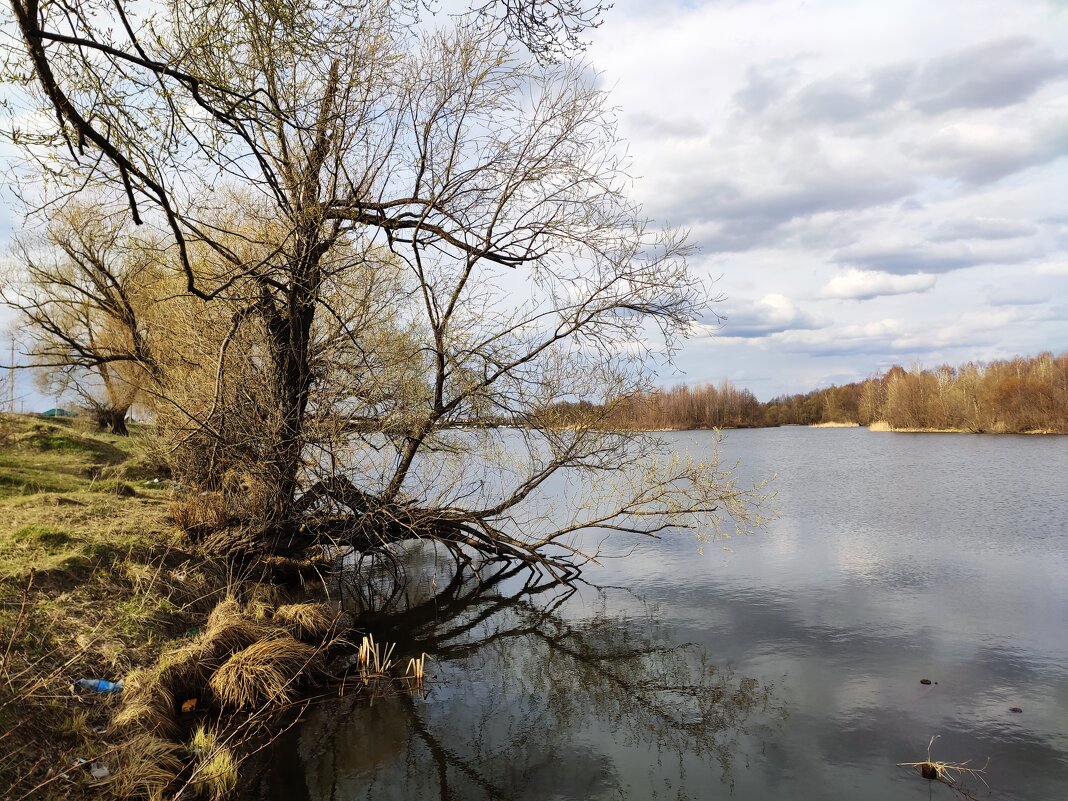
point(268, 671)
point(208, 510)
point(147, 704)
point(306, 621)
point(229, 630)
point(146, 765)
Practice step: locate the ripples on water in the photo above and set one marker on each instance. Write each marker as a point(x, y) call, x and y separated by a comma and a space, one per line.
point(896, 557)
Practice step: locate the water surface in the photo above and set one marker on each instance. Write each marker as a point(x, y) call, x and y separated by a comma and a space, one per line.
point(783, 665)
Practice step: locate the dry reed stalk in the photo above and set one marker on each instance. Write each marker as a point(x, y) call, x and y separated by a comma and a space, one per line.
point(416, 669)
point(372, 660)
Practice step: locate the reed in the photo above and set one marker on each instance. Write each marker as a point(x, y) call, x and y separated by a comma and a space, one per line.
point(373, 659)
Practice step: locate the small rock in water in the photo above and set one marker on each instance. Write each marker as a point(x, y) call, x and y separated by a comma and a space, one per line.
point(1015, 709)
point(925, 681)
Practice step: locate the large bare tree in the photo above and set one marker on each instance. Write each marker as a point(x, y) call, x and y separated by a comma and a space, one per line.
point(287, 151)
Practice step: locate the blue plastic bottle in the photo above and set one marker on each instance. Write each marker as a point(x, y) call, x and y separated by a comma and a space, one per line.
point(99, 685)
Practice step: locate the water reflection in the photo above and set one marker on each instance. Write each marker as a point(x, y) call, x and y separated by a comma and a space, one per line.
point(536, 692)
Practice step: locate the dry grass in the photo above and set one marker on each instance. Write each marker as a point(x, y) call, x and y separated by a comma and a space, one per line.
point(206, 510)
point(267, 672)
point(145, 766)
point(147, 705)
point(947, 773)
point(307, 621)
point(882, 425)
point(114, 588)
point(230, 628)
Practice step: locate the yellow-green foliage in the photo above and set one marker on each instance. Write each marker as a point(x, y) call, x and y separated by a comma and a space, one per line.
point(215, 773)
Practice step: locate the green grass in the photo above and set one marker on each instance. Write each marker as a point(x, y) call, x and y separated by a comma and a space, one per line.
point(77, 516)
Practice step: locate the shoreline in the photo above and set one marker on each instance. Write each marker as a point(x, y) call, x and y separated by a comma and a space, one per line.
point(874, 427)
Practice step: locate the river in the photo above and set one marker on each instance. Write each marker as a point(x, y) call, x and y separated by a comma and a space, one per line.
point(786, 664)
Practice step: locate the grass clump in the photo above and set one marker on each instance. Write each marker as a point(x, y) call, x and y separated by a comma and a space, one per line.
point(267, 672)
point(306, 621)
point(43, 536)
point(146, 766)
point(215, 772)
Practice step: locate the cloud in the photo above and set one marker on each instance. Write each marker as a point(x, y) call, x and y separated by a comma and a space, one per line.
point(843, 99)
point(739, 215)
point(866, 284)
point(906, 339)
point(983, 228)
point(909, 258)
point(764, 85)
point(1016, 296)
point(989, 75)
point(661, 125)
point(981, 152)
point(770, 315)
point(1059, 267)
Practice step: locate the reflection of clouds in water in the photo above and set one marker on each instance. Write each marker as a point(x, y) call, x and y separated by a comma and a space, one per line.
point(858, 556)
point(867, 584)
point(531, 699)
point(783, 541)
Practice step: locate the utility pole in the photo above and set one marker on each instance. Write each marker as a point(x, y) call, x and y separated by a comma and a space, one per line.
point(11, 379)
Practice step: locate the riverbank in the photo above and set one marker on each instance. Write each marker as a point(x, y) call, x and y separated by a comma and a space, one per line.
point(97, 582)
point(87, 560)
point(883, 426)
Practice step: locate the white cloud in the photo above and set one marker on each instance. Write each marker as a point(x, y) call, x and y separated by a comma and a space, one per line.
point(906, 154)
point(771, 314)
point(867, 284)
point(1053, 267)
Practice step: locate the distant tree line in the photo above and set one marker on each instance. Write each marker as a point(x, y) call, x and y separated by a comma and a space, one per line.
point(1005, 396)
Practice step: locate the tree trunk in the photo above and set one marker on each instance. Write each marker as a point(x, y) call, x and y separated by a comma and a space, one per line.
point(113, 420)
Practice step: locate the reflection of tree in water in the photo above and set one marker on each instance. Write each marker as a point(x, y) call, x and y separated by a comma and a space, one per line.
point(527, 700)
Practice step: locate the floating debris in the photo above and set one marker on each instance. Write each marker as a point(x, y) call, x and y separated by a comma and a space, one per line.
point(947, 773)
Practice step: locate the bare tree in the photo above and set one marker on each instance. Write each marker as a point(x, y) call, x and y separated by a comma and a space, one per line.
point(285, 153)
point(85, 291)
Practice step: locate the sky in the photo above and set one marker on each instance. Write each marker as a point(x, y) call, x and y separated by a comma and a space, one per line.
point(870, 183)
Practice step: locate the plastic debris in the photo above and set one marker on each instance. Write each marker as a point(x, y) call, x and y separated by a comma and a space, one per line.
point(189, 706)
point(99, 685)
point(98, 770)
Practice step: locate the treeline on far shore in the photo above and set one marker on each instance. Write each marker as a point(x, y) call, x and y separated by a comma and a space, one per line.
point(1024, 394)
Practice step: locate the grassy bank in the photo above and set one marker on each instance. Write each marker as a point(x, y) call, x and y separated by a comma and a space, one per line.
point(88, 562)
point(97, 582)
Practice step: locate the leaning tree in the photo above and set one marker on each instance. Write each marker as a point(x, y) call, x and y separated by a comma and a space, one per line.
point(410, 233)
